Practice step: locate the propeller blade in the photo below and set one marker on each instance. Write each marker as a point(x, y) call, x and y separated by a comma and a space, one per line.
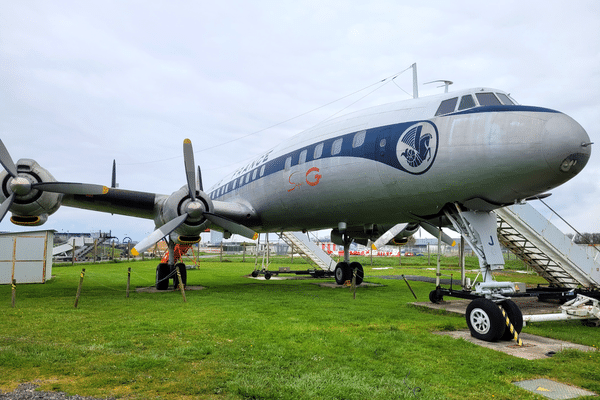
point(188, 160)
point(113, 182)
point(387, 236)
point(5, 206)
point(6, 161)
point(231, 226)
point(435, 231)
point(70, 188)
point(200, 188)
point(158, 234)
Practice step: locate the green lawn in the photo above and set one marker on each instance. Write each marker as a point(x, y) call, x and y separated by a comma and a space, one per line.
point(241, 338)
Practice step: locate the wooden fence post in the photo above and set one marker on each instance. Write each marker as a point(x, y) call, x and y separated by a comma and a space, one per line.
point(128, 280)
point(181, 284)
point(14, 293)
point(73, 255)
point(79, 287)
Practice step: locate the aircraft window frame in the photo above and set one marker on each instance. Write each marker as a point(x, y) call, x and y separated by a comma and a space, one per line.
point(318, 151)
point(288, 163)
point(234, 184)
point(505, 99)
point(262, 170)
point(302, 158)
point(359, 139)
point(254, 174)
point(466, 102)
point(336, 146)
point(447, 106)
point(248, 177)
point(487, 99)
point(241, 180)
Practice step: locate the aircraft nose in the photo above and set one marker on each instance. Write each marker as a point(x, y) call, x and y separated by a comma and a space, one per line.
point(566, 146)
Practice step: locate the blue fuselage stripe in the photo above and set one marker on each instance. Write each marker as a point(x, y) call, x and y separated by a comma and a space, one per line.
point(379, 145)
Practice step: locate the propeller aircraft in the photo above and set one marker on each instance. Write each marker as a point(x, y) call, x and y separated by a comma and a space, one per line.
point(374, 175)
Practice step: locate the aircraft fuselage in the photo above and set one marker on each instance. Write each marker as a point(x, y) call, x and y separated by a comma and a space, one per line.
point(401, 163)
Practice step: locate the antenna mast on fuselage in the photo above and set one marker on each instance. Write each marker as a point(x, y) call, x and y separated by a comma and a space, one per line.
point(415, 82)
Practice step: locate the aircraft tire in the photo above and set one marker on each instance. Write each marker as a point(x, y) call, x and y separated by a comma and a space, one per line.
point(183, 273)
point(434, 297)
point(360, 272)
point(268, 275)
point(515, 316)
point(342, 273)
point(162, 271)
point(254, 273)
point(485, 320)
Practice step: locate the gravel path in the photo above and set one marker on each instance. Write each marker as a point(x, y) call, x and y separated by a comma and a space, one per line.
point(26, 391)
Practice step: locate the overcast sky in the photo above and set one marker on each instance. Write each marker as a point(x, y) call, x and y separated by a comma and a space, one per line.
point(86, 82)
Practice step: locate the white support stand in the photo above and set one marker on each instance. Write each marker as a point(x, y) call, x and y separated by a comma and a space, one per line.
point(479, 229)
point(581, 307)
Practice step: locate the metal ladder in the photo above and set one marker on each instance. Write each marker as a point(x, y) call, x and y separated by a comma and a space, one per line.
point(308, 250)
point(542, 246)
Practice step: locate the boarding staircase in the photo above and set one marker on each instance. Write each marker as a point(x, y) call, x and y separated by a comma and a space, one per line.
point(542, 246)
point(83, 245)
point(313, 254)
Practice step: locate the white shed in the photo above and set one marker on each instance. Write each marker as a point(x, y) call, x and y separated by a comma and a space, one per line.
point(26, 256)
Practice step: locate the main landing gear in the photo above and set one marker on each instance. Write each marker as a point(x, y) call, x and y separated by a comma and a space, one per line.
point(168, 270)
point(165, 272)
point(346, 270)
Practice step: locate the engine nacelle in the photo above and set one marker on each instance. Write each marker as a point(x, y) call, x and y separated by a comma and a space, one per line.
point(178, 204)
point(33, 208)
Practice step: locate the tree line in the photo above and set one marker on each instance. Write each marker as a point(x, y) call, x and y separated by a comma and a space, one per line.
point(585, 238)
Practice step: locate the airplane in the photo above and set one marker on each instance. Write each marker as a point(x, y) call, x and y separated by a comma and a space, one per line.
point(376, 175)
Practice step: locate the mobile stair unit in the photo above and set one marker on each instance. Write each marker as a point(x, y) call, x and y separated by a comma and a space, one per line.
point(542, 246)
point(308, 250)
point(322, 264)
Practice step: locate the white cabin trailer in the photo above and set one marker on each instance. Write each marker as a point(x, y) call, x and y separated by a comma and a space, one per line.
point(26, 257)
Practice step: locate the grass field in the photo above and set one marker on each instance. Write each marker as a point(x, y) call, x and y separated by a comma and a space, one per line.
point(241, 338)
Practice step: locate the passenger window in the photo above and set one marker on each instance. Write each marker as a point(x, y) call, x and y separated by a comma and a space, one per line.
point(262, 170)
point(336, 148)
point(254, 174)
point(318, 151)
point(359, 139)
point(487, 99)
point(248, 177)
point(447, 106)
point(466, 102)
point(288, 163)
point(242, 180)
point(302, 159)
point(505, 99)
point(234, 184)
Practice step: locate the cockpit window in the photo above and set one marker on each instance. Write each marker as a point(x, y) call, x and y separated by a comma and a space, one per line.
point(505, 99)
point(447, 106)
point(487, 99)
point(466, 102)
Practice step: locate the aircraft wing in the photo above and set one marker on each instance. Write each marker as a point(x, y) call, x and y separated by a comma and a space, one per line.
point(31, 193)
